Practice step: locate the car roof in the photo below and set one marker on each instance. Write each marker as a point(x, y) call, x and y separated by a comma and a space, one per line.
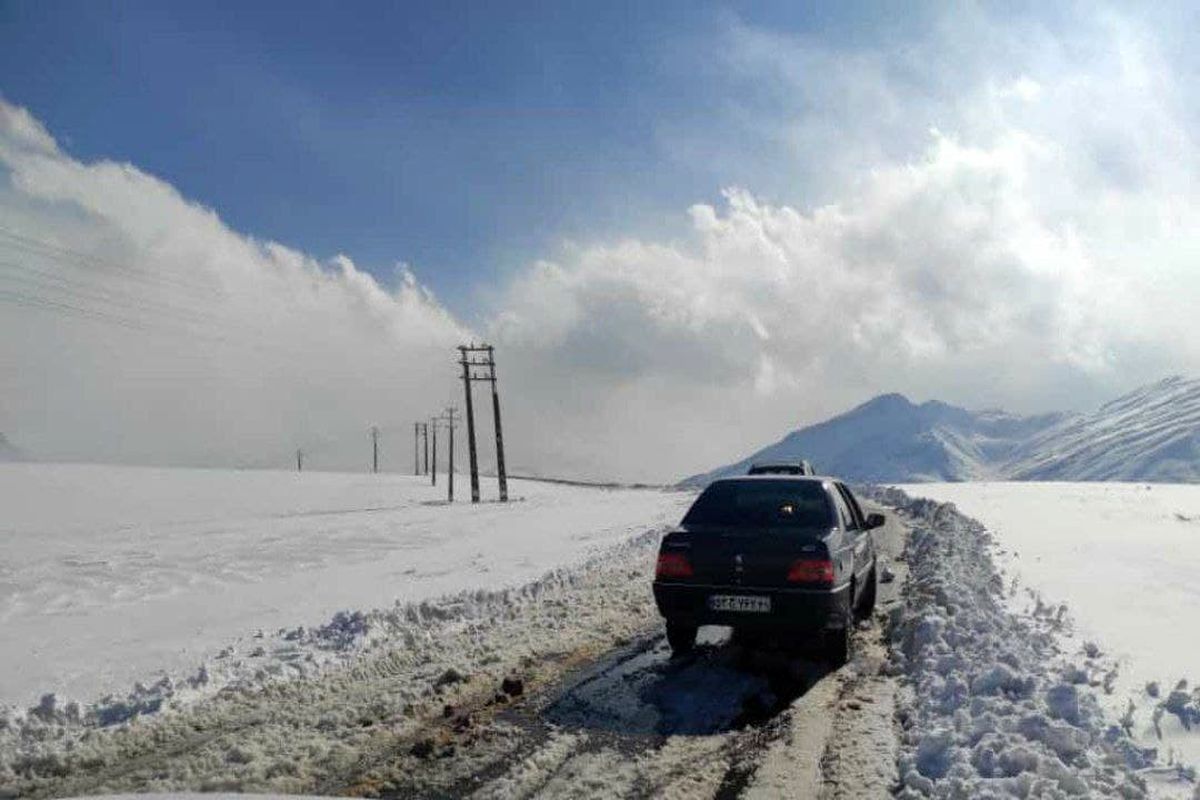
point(777, 477)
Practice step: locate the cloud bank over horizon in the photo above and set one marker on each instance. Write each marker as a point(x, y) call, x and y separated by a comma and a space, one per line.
point(138, 327)
point(1031, 246)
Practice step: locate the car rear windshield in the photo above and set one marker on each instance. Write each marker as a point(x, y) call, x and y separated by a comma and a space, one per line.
point(761, 503)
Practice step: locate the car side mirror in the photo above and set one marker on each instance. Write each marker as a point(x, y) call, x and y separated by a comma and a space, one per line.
point(875, 521)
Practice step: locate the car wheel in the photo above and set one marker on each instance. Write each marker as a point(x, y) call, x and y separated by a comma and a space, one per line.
point(681, 637)
point(839, 646)
point(866, 603)
point(839, 642)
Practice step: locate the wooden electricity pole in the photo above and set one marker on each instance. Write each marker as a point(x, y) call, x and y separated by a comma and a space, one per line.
point(500, 473)
point(466, 376)
point(433, 471)
point(299, 460)
point(425, 436)
point(374, 448)
point(416, 448)
point(450, 420)
point(488, 361)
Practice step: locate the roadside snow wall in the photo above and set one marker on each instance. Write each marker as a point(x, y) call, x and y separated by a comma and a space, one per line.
point(288, 708)
point(990, 708)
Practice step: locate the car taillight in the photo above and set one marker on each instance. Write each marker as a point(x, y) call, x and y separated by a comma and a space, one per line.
point(811, 570)
point(673, 565)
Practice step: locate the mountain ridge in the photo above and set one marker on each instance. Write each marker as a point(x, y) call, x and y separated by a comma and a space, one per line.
point(1151, 433)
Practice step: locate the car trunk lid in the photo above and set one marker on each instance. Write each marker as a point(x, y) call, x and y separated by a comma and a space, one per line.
point(746, 557)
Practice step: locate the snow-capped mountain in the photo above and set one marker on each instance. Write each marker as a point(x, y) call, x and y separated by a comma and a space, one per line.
point(890, 439)
point(1150, 434)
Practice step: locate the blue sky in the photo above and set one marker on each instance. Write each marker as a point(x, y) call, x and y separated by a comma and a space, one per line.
point(666, 215)
point(463, 138)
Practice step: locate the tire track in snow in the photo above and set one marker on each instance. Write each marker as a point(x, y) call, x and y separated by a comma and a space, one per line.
point(620, 727)
point(837, 744)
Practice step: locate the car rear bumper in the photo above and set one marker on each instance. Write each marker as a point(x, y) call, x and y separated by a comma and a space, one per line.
point(801, 610)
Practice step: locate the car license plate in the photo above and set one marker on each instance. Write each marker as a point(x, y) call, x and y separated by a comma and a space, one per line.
point(739, 603)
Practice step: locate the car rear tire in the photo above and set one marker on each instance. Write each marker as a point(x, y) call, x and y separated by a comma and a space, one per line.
point(839, 646)
point(866, 603)
point(839, 642)
point(681, 637)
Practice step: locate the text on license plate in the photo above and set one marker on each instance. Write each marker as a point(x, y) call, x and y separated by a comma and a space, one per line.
point(733, 602)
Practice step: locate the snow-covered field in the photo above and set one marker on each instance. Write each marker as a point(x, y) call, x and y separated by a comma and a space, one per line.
point(971, 683)
point(563, 686)
point(116, 575)
point(1125, 559)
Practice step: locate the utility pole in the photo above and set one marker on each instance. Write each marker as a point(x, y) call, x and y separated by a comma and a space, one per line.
point(433, 471)
point(374, 448)
point(466, 367)
point(416, 448)
point(450, 420)
point(299, 460)
point(425, 436)
point(487, 361)
point(500, 473)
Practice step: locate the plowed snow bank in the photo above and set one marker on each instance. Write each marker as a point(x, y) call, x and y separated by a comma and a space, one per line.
point(1121, 560)
point(992, 709)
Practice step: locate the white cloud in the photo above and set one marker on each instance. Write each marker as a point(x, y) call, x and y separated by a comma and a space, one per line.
point(1006, 217)
point(933, 279)
point(1024, 88)
point(137, 326)
point(1034, 251)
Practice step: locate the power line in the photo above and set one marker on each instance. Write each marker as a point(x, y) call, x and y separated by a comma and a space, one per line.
point(78, 259)
point(32, 301)
point(55, 291)
point(85, 291)
point(72, 303)
point(44, 279)
point(49, 278)
point(76, 311)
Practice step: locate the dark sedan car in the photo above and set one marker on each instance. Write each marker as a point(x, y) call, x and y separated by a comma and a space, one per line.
point(789, 556)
